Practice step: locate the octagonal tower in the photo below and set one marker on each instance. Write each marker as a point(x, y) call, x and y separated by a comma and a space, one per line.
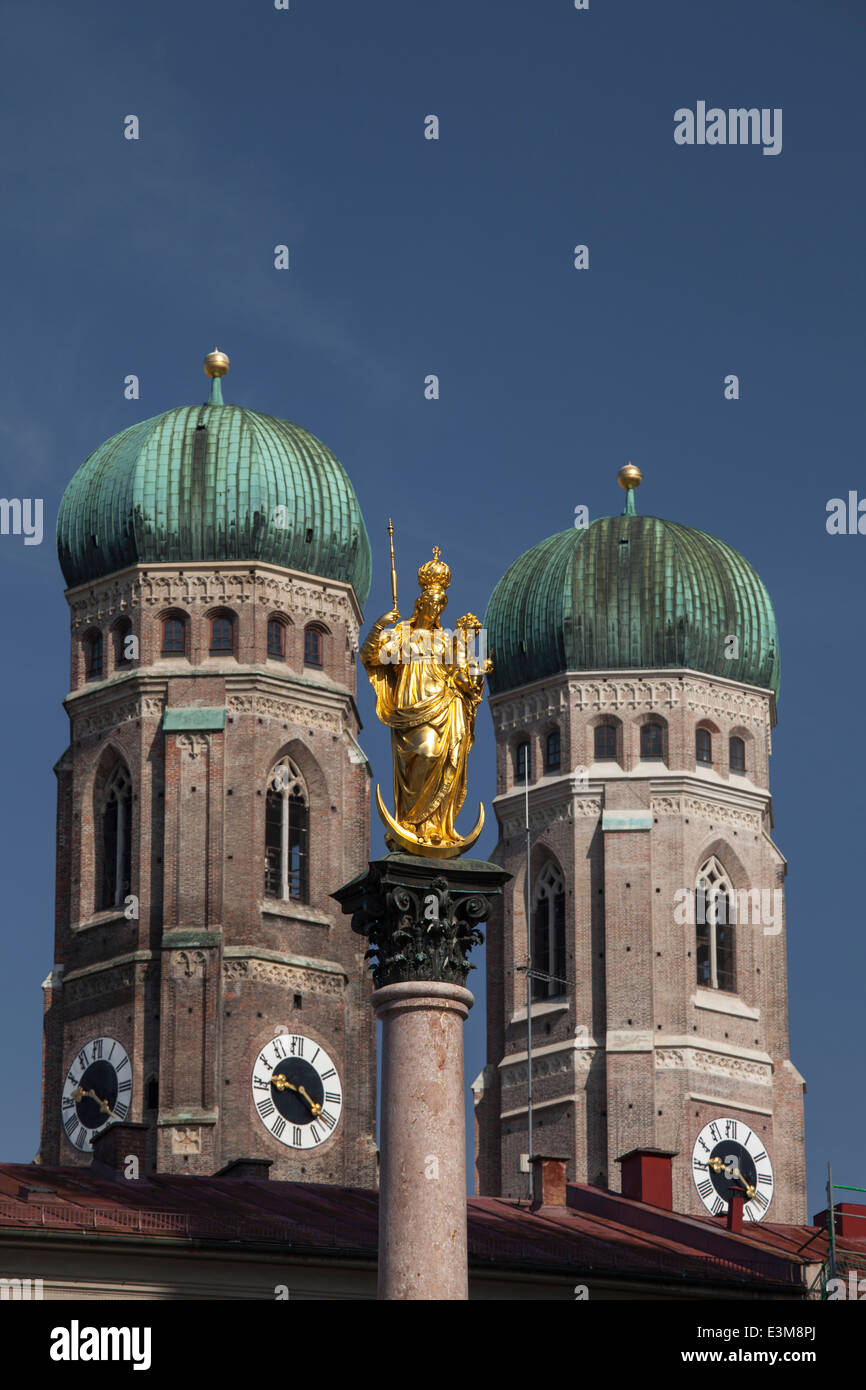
point(636, 669)
point(212, 796)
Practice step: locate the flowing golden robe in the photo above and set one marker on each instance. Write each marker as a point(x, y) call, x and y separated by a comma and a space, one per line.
point(429, 706)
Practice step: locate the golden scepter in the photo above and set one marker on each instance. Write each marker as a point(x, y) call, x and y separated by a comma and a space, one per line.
point(393, 567)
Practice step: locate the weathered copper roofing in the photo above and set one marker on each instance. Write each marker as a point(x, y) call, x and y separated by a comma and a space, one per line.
point(204, 483)
point(631, 592)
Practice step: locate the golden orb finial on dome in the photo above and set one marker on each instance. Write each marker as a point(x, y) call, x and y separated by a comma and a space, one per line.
point(216, 363)
point(629, 477)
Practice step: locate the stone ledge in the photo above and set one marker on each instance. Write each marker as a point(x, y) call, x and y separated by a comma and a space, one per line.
point(192, 1116)
point(325, 967)
point(278, 907)
point(545, 1006)
point(723, 1004)
point(129, 958)
point(107, 918)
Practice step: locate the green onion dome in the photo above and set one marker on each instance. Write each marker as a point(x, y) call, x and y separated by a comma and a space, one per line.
point(213, 482)
point(631, 592)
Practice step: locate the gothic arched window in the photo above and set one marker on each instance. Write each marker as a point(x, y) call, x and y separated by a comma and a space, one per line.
point(93, 655)
point(737, 754)
point(313, 645)
point(715, 916)
point(277, 639)
point(552, 751)
point(522, 769)
point(605, 743)
point(651, 741)
point(173, 635)
point(116, 839)
point(704, 746)
point(287, 835)
point(222, 633)
point(548, 932)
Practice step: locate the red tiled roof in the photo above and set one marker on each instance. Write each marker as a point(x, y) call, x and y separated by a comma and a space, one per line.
point(597, 1232)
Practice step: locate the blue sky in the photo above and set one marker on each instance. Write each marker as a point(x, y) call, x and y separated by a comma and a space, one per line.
point(454, 257)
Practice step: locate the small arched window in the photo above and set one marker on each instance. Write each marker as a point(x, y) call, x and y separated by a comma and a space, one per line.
point(737, 754)
point(276, 639)
point(222, 633)
point(93, 655)
point(715, 916)
point(522, 769)
point(173, 635)
point(116, 839)
point(313, 645)
point(704, 746)
point(651, 741)
point(287, 835)
point(552, 751)
point(122, 648)
point(548, 933)
point(605, 743)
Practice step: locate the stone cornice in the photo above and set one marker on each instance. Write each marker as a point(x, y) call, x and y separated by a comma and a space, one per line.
point(249, 690)
point(325, 967)
point(652, 690)
point(209, 582)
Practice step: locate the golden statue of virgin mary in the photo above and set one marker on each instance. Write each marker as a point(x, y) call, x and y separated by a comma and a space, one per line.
point(428, 688)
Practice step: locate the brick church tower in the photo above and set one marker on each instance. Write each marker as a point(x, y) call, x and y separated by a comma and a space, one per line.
point(636, 669)
point(212, 797)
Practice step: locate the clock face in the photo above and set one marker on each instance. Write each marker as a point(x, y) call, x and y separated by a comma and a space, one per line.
point(296, 1091)
point(728, 1154)
point(97, 1090)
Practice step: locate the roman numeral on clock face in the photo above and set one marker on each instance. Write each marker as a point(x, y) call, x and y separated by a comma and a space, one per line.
point(765, 1179)
point(758, 1157)
point(265, 1108)
point(333, 1097)
point(326, 1075)
point(718, 1207)
point(316, 1136)
point(327, 1119)
point(125, 1086)
point(121, 1110)
point(97, 1049)
point(76, 1133)
point(297, 1136)
point(277, 1127)
point(705, 1188)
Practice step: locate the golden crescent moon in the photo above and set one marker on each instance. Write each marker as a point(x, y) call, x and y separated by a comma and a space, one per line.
point(410, 844)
